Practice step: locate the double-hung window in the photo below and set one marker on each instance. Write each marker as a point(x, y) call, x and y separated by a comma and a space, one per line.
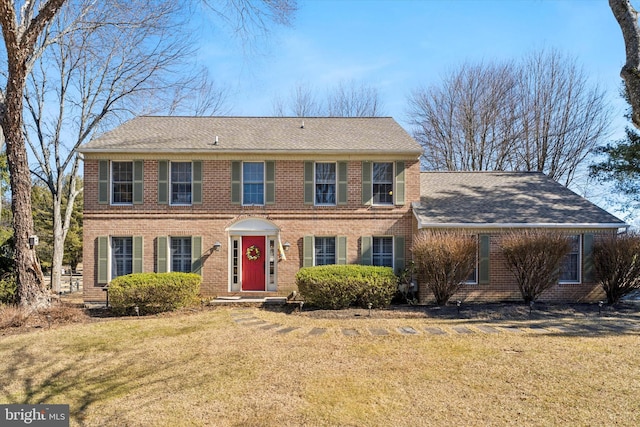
point(181, 183)
point(382, 179)
point(181, 254)
point(122, 183)
point(253, 183)
point(325, 183)
point(121, 256)
point(382, 251)
point(570, 268)
point(118, 256)
point(325, 250)
point(472, 278)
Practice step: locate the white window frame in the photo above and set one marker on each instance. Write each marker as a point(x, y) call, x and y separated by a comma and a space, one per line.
point(171, 202)
point(235, 264)
point(271, 276)
point(172, 255)
point(335, 184)
point(476, 268)
point(373, 253)
point(579, 262)
point(111, 182)
point(112, 256)
point(373, 183)
point(264, 180)
point(335, 249)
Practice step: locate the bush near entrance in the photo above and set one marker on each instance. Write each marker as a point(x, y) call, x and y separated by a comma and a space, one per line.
point(153, 292)
point(342, 286)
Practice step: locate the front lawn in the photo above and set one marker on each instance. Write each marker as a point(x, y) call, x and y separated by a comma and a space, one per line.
point(208, 368)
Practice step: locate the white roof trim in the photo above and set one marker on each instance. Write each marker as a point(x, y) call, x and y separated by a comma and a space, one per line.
point(517, 225)
point(499, 225)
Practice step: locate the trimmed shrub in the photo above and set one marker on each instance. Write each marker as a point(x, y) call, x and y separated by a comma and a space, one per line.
point(616, 261)
point(8, 289)
point(535, 257)
point(153, 292)
point(340, 286)
point(444, 260)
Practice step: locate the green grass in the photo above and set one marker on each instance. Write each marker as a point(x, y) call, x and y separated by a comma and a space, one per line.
point(206, 369)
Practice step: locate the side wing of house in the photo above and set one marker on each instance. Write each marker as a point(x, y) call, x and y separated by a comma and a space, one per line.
point(489, 204)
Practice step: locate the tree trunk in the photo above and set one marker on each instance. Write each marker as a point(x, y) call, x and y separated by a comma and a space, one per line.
point(31, 290)
point(627, 18)
point(20, 36)
point(58, 246)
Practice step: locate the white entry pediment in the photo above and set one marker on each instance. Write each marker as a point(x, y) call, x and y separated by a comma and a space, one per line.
point(256, 226)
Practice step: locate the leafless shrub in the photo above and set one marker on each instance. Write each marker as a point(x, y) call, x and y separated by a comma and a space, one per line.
point(616, 261)
point(534, 257)
point(443, 260)
point(63, 313)
point(13, 316)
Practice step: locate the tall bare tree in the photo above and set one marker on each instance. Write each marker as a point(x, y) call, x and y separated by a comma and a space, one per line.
point(350, 99)
point(100, 67)
point(20, 30)
point(126, 52)
point(627, 18)
point(563, 117)
point(536, 115)
point(347, 99)
point(467, 122)
point(302, 102)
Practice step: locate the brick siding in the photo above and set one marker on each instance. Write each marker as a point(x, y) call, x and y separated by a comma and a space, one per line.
point(210, 219)
point(503, 287)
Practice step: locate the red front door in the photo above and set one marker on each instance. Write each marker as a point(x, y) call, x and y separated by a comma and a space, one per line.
point(254, 257)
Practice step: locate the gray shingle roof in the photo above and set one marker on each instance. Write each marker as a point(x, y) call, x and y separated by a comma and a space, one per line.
point(256, 134)
point(504, 199)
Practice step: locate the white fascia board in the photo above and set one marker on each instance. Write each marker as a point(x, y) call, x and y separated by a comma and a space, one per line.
point(501, 225)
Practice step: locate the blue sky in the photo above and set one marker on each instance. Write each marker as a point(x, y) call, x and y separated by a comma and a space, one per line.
point(400, 45)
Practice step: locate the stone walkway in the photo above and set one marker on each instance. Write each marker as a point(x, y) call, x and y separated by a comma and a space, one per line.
point(248, 318)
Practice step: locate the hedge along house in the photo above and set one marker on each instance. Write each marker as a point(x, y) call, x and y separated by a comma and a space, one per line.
point(489, 204)
point(246, 201)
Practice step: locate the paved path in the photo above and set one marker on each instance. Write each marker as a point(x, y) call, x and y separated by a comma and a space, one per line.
point(420, 327)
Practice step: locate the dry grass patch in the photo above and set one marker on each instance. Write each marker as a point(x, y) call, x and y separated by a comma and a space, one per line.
point(15, 319)
point(206, 369)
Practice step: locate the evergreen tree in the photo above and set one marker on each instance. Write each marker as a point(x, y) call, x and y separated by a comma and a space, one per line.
point(622, 165)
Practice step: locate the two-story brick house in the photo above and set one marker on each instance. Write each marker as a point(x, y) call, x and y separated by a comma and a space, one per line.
point(246, 202)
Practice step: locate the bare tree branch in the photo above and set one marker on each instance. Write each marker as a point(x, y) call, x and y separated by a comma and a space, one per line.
point(347, 99)
point(251, 20)
point(468, 123)
point(539, 115)
point(124, 58)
